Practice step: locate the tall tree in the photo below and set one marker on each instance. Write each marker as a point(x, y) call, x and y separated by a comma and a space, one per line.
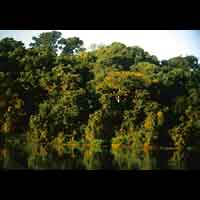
point(47, 40)
point(9, 44)
point(11, 52)
point(71, 45)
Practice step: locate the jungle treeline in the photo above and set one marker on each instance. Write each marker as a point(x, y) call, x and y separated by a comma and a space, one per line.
point(56, 92)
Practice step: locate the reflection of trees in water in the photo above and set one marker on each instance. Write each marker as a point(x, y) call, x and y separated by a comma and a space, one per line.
point(130, 159)
point(12, 159)
point(149, 161)
point(44, 158)
point(12, 152)
point(178, 160)
point(37, 157)
point(91, 160)
point(5, 158)
point(193, 161)
point(97, 159)
point(133, 159)
point(185, 160)
point(41, 157)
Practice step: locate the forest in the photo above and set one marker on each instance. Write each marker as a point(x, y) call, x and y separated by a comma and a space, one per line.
point(57, 93)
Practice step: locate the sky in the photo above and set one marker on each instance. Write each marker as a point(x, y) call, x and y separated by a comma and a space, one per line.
point(164, 44)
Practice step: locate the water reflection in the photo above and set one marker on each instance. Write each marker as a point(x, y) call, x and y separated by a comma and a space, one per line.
point(10, 159)
point(38, 157)
point(178, 160)
point(44, 158)
point(97, 159)
point(133, 159)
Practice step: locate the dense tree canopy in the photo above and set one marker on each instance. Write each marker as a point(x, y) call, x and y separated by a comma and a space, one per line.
point(114, 93)
point(71, 45)
point(47, 40)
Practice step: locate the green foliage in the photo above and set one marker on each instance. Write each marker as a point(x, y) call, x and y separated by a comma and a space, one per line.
point(118, 94)
point(71, 45)
point(48, 40)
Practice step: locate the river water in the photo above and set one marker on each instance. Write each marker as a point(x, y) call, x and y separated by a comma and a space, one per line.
point(97, 159)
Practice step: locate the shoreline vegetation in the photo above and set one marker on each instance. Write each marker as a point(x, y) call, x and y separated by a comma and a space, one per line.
point(116, 95)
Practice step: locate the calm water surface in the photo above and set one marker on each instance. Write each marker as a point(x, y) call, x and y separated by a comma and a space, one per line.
point(96, 159)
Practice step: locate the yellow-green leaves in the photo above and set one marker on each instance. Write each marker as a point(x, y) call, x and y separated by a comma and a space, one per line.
point(149, 122)
point(160, 118)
